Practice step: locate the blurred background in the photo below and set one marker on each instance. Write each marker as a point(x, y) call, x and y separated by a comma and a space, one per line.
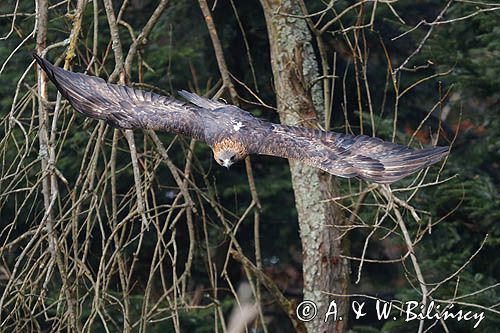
point(83, 248)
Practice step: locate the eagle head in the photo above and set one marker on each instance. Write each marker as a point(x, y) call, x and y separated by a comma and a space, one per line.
point(228, 151)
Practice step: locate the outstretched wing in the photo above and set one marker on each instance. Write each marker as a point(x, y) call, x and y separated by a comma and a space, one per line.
point(346, 155)
point(340, 154)
point(125, 107)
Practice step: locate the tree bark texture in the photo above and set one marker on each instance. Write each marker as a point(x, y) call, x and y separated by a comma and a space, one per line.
point(294, 68)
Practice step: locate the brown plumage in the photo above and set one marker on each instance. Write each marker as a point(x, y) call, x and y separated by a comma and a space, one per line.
point(233, 133)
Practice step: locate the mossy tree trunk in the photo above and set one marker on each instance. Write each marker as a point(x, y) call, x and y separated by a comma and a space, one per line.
point(295, 69)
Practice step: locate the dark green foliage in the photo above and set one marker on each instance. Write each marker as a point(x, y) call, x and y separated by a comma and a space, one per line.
point(180, 52)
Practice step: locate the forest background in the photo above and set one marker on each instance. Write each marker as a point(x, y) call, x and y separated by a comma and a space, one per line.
point(109, 230)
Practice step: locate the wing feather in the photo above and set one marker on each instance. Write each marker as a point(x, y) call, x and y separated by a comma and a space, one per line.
point(346, 155)
point(340, 154)
point(125, 107)
point(201, 101)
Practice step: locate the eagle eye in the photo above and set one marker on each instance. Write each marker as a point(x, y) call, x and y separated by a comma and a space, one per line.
point(232, 158)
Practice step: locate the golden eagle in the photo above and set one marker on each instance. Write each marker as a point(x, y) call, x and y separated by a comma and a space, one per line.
point(233, 133)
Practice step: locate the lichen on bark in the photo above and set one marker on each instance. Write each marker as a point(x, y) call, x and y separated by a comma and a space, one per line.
point(301, 103)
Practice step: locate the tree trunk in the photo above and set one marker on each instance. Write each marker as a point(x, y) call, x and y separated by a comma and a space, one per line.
point(295, 68)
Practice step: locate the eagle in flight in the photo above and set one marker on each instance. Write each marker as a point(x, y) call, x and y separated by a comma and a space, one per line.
point(233, 133)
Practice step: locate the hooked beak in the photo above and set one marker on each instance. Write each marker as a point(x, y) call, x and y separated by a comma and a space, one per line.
point(227, 163)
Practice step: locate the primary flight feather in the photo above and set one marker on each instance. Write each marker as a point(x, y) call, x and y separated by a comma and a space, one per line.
point(233, 133)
